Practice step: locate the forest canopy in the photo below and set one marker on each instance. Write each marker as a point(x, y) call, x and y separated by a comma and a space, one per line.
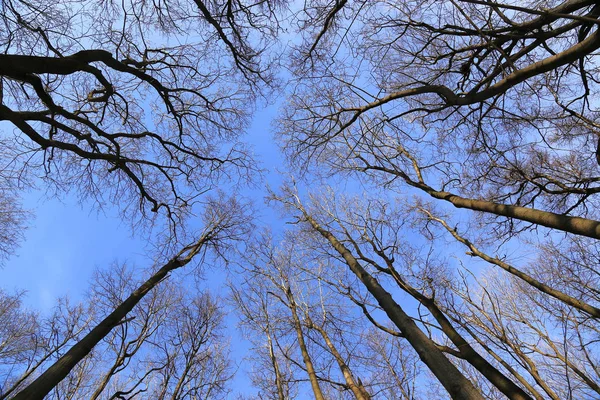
point(431, 233)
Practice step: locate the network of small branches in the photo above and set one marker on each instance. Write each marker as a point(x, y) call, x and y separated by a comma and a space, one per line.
point(492, 100)
point(170, 346)
point(133, 104)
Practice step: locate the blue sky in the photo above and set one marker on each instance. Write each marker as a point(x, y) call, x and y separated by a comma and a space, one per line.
point(64, 242)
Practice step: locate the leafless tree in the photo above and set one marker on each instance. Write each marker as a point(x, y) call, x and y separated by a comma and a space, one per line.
point(139, 105)
point(502, 335)
point(272, 373)
point(477, 105)
point(31, 342)
point(367, 239)
point(193, 350)
point(275, 275)
point(225, 222)
point(514, 329)
point(302, 321)
point(394, 366)
point(122, 344)
point(17, 338)
point(171, 344)
point(559, 311)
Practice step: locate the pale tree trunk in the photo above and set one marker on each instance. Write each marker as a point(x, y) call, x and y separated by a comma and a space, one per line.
point(102, 385)
point(557, 294)
point(468, 353)
point(503, 362)
point(181, 380)
point(278, 382)
point(310, 369)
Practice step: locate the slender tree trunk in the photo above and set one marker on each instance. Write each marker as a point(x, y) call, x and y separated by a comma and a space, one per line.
point(181, 379)
point(533, 371)
point(100, 388)
point(278, 382)
point(557, 294)
point(312, 375)
point(457, 385)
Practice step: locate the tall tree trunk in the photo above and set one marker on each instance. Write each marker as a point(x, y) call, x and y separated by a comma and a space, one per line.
point(501, 361)
point(181, 380)
point(557, 294)
point(278, 382)
point(107, 377)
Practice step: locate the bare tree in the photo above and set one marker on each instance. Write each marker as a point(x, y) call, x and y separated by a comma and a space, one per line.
point(193, 351)
point(355, 385)
point(18, 329)
point(276, 275)
point(395, 368)
point(138, 105)
point(225, 221)
point(527, 340)
point(123, 343)
point(272, 373)
point(477, 105)
point(31, 342)
point(548, 319)
point(171, 345)
point(365, 235)
point(455, 105)
point(302, 321)
point(503, 336)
